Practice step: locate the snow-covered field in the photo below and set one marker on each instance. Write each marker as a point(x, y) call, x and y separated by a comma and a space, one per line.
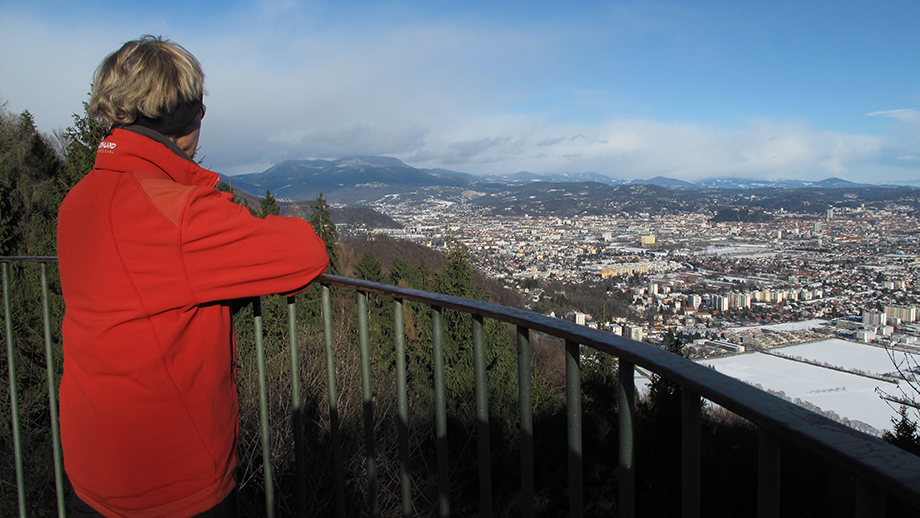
point(849, 395)
point(850, 355)
point(787, 326)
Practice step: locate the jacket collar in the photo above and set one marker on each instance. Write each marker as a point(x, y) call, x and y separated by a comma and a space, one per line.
point(139, 149)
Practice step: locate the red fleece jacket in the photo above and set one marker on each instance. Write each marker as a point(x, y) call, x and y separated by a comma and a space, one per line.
point(150, 254)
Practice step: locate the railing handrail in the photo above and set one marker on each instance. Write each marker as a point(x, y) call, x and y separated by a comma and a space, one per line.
point(28, 259)
point(879, 463)
point(874, 461)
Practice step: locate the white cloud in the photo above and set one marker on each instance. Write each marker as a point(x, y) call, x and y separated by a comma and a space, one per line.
point(640, 148)
point(905, 114)
point(285, 84)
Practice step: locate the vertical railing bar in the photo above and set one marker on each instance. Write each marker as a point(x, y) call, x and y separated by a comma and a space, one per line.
point(768, 474)
point(870, 500)
point(690, 454)
point(14, 398)
point(482, 417)
point(627, 418)
point(525, 396)
point(263, 410)
point(367, 392)
point(333, 399)
point(300, 469)
point(402, 402)
point(573, 417)
point(52, 396)
point(440, 409)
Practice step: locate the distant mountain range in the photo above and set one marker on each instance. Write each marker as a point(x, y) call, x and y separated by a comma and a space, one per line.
point(346, 179)
point(363, 180)
point(673, 184)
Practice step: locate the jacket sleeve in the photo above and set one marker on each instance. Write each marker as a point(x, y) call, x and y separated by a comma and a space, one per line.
point(227, 253)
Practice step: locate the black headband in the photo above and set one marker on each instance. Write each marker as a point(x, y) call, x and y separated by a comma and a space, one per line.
point(172, 122)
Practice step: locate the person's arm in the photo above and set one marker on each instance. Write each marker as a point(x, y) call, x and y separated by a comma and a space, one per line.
point(228, 253)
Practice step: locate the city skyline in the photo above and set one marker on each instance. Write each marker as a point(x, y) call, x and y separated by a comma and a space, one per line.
point(631, 90)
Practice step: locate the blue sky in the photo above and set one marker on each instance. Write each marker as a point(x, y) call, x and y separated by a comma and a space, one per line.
point(688, 90)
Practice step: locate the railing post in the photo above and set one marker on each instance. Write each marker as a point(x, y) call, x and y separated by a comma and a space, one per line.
point(14, 397)
point(573, 415)
point(627, 415)
point(768, 474)
point(52, 397)
point(482, 417)
point(525, 396)
point(440, 409)
point(402, 401)
point(333, 398)
point(870, 501)
point(297, 413)
point(263, 410)
point(373, 499)
point(690, 453)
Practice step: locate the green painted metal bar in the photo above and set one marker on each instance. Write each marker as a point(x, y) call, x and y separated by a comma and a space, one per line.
point(263, 410)
point(440, 409)
point(482, 417)
point(333, 399)
point(768, 473)
point(52, 397)
point(14, 397)
point(690, 447)
point(627, 418)
point(573, 417)
point(402, 406)
point(870, 500)
point(367, 393)
point(525, 397)
point(300, 469)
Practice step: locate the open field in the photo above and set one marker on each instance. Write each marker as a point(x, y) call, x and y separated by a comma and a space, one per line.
point(849, 395)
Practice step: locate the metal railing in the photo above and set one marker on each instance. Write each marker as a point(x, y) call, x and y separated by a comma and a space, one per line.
point(879, 468)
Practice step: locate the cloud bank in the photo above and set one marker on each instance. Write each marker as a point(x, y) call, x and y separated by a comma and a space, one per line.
point(459, 92)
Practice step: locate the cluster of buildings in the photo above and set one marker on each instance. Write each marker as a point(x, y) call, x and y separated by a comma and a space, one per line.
point(686, 273)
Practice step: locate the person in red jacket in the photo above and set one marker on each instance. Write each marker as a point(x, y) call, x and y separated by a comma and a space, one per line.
point(150, 257)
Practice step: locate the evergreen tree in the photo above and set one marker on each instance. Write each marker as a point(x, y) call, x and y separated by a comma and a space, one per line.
point(399, 271)
point(369, 268)
point(420, 277)
point(270, 206)
point(321, 219)
point(79, 143)
point(239, 200)
point(29, 192)
point(906, 434)
point(379, 315)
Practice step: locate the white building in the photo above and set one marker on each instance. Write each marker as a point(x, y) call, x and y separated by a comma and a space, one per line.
point(865, 335)
point(903, 313)
point(874, 318)
point(634, 333)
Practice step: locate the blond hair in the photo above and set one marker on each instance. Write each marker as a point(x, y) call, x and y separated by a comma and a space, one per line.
point(146, 77)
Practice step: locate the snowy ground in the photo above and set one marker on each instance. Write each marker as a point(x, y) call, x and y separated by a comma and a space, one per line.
point(849, 395)
point(787, 326)
point(741, 251)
